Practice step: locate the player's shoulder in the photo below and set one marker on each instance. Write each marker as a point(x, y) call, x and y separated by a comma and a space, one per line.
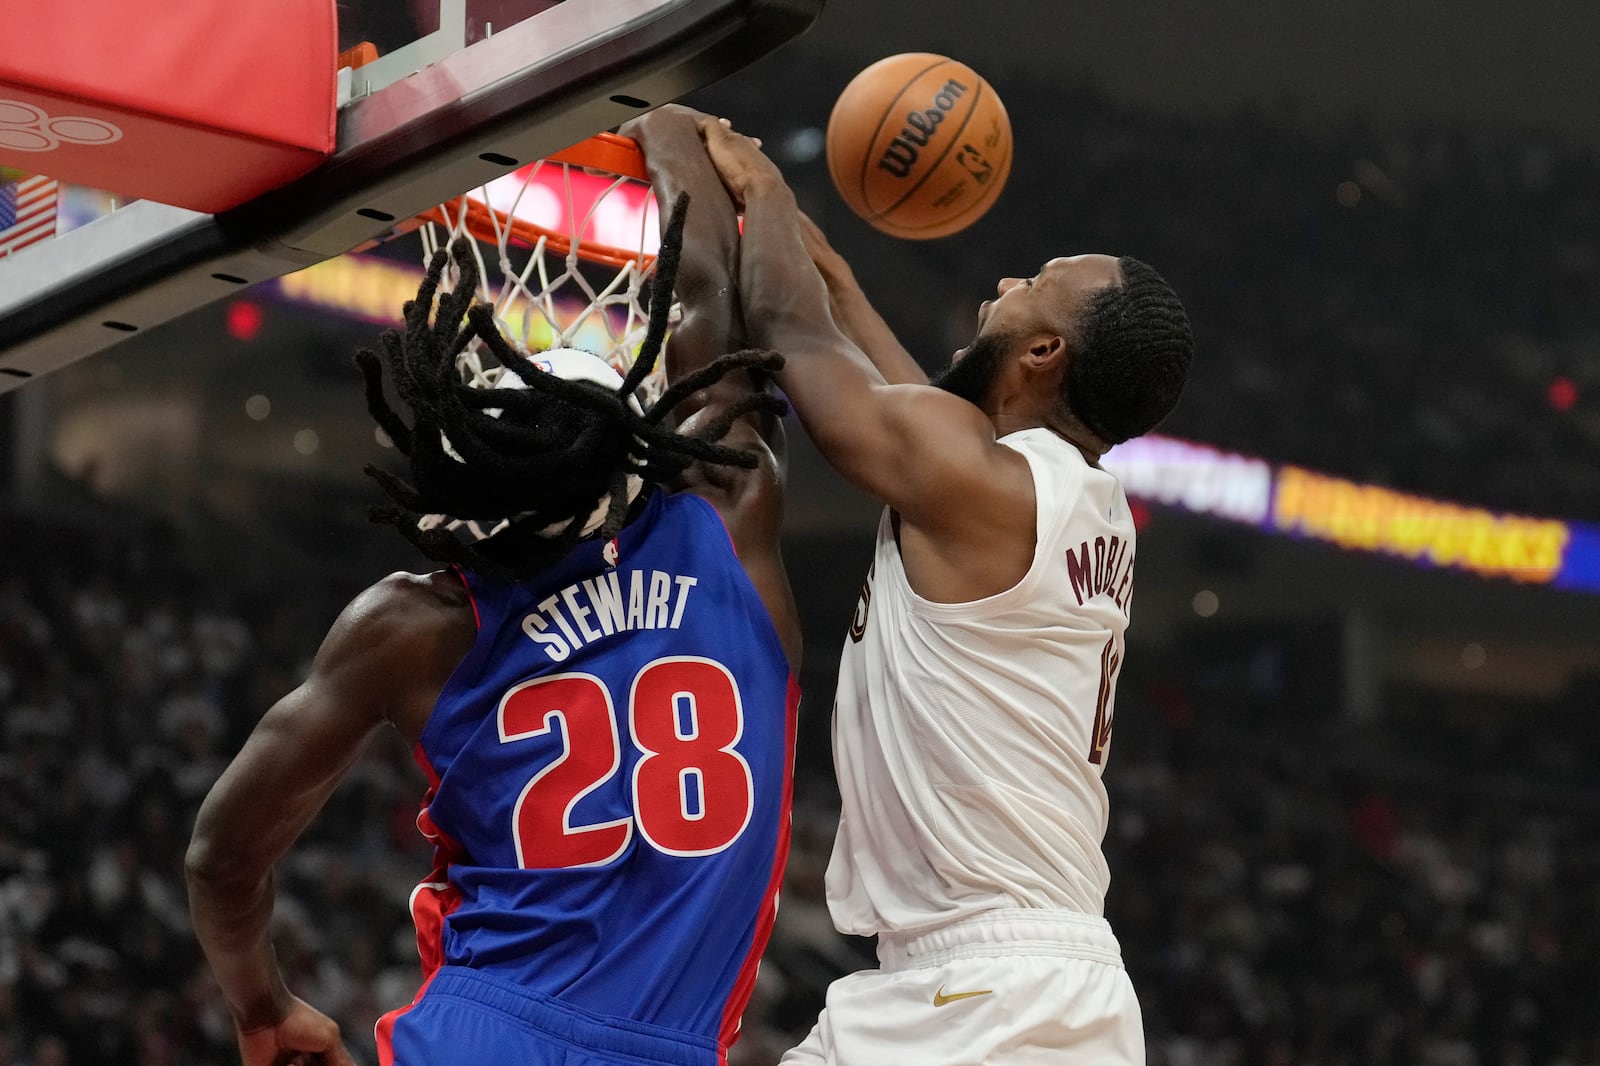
point(404, 605)
point(442, 590)
point(396, 642)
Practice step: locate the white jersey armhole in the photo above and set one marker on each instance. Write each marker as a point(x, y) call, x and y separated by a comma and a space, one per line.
point(1046, 506)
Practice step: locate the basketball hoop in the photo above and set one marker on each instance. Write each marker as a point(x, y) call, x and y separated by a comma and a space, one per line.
point(573, 237)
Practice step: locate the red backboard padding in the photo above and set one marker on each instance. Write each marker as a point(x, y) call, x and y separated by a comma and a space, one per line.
point(203, 104)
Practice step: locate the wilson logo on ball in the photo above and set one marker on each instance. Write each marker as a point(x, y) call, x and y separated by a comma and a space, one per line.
point(901, 154)
point(918, 145)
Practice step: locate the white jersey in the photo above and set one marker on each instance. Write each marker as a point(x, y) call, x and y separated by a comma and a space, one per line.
point(969, 739)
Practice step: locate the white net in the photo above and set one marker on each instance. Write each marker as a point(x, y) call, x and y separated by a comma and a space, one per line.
point(566, 255)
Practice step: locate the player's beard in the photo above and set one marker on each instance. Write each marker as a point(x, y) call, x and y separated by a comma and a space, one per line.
point(972, 376)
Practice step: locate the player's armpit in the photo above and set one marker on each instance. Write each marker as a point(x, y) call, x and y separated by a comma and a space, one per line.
point(927, 453)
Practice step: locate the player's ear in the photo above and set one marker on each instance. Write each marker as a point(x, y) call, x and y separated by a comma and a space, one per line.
point(1045, 350)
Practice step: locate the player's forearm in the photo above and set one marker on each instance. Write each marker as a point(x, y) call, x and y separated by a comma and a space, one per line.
point(783, 294)
point(706, 281)
point(232, 918)
point(710, 238)
point(860, 321)
point(238, 838)
point(677, 164)
point(829, 382)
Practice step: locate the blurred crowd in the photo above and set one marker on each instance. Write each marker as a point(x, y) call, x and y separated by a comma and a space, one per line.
point(1404, 893)
point(1289, 890)
point(127, 681)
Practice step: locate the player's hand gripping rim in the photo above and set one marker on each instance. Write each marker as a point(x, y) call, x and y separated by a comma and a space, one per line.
point(738, 159)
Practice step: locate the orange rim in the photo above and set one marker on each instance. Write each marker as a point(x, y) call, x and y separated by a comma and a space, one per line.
point(608, 152)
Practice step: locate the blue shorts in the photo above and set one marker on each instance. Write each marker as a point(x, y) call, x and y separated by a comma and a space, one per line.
point(470, 1018)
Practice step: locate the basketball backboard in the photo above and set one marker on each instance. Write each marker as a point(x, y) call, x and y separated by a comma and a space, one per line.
point(462, 92)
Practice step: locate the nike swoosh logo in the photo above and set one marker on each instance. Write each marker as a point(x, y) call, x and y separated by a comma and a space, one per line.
point(940, 999)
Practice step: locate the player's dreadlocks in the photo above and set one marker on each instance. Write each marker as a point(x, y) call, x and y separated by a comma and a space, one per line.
point(1134, 351)
point(556, 448)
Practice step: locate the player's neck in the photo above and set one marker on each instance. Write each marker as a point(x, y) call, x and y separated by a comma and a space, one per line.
point(1056, 421)
point(1070, 429)
point(1017, 402)
point(1006, 422)
point(1019, 414)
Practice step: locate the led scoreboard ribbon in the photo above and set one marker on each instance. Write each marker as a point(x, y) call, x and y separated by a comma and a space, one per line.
point(1302, 503)
point(1281, 499)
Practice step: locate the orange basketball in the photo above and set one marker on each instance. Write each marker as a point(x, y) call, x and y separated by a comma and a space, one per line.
point(919, 145)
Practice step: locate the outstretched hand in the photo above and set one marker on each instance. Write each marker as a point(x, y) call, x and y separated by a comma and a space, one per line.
point(738, 159)
point(304, 1037)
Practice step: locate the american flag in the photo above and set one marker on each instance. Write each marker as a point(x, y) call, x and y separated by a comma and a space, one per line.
point(27, 212)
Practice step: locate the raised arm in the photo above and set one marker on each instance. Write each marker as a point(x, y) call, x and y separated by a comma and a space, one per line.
point(927, 453)
point(376, 665)
point(750, 501)
point(711, 324)
point(854, 314)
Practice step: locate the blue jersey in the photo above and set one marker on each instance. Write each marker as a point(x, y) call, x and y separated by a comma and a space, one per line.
point(611, 768)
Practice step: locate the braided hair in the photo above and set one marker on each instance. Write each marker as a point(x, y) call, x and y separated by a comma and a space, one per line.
point(554, 449)
point(1134, 351)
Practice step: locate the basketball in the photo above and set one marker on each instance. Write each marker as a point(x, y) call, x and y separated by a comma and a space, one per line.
point(919, 145)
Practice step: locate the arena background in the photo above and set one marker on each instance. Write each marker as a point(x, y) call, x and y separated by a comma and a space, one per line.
point(1355, 797)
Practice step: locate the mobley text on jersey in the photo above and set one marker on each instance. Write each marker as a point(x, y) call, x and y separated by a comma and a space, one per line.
point(1109, 570)
point(600, 606)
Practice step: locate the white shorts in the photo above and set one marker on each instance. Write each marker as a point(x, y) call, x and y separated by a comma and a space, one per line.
point(1003, 988)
